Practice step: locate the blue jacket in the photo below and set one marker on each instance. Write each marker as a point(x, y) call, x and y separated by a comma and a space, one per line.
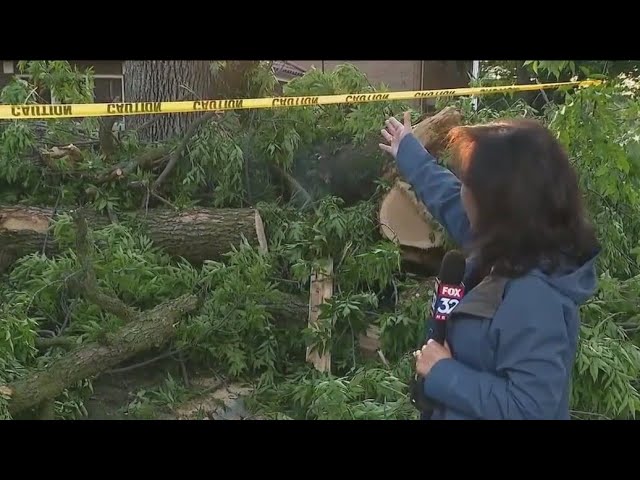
point(513, 341)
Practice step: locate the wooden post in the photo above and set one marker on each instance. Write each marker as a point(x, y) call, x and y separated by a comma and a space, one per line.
point(320, 291)
point(369, 341)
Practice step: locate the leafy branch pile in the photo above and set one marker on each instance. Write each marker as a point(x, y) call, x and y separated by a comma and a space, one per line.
point(314, 176)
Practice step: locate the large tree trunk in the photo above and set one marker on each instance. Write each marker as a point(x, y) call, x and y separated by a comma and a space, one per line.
point(180, 80)
point(195, 234)
point(164, 81)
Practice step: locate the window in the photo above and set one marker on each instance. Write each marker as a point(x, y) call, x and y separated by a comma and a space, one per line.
point(108, 88)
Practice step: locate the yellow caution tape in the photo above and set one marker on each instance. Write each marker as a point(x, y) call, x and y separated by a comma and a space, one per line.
point(28, 112)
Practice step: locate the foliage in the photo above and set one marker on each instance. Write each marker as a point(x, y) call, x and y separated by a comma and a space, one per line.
point(608, 360)
point(145, 403)
point(366, 394)
point(242, 158)
point(600, 128)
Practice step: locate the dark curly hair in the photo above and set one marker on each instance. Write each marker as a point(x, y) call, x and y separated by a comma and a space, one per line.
point(529, 210)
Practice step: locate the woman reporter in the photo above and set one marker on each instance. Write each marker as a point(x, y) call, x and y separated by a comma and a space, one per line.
point(515, 207)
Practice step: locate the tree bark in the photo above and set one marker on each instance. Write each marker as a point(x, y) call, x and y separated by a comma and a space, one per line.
point(179, 80)
point(195, 234)
point(289, 311)
point(164, 81)
point(432, 133)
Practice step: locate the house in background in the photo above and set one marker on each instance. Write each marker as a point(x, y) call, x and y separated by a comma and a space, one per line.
point(108, 78)
point(403, 74)
point(396, 74)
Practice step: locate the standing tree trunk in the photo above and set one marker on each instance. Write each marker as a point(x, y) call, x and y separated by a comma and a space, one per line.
point(163, 81)
point(180, 80)
point(523, 77)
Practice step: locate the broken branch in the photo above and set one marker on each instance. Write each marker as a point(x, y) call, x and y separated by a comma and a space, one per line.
point(151, 329)
point(177, 153)
point(89, 284)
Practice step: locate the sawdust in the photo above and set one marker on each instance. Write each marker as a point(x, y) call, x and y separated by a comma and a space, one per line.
point(209, 397)
point(223, 403)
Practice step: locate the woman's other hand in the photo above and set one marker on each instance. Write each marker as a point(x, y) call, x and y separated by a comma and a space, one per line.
point(430, 354)
point(394, 132)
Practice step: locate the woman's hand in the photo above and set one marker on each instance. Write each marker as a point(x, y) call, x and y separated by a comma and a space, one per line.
point(394, 133)
point(430, 354)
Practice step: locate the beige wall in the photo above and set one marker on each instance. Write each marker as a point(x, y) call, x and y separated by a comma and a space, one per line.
point(405, 74)
point(396, 74)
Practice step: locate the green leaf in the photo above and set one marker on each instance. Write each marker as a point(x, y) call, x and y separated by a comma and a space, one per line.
point(593, 371)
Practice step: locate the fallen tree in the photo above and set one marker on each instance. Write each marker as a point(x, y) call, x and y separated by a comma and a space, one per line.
point(205, 234)
point(194, 234)
point(141, 332)
point(150, 330)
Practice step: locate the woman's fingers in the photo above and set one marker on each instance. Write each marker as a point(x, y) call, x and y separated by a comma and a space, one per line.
point(386, 148)
point(391, 128)
point(395, 123)
point(394, 131)
point(407, 120)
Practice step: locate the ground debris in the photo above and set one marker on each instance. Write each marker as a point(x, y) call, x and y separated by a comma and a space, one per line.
point(221, 402)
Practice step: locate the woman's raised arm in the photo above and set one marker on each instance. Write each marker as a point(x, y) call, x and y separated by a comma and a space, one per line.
point(436, 186)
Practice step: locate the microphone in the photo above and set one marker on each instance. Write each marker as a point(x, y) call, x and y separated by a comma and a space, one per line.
point(448, 293)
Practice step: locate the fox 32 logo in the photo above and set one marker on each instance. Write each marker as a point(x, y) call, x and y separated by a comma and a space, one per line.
point(446, 299)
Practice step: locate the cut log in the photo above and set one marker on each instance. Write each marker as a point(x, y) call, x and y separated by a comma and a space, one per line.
point(143, 331)
point(403, 218)
point(432, 131)
point(196, 234)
